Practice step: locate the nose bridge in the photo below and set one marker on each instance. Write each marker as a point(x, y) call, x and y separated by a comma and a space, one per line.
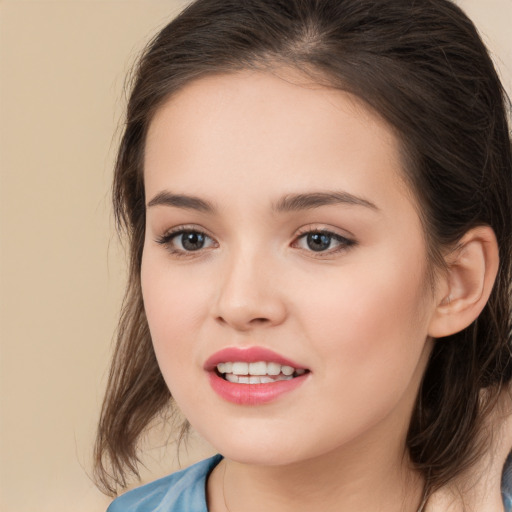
point(248, 295)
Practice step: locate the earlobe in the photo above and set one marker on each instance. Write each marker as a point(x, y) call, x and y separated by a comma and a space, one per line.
point(465, 289)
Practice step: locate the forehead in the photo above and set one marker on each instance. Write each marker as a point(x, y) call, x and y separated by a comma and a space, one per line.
point(277, 127)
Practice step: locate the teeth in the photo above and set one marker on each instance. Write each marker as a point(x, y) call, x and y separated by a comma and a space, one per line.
point(287, 370)
point(240, 368)
point(243, 379)
point(225, 367)
point(259, 368)
point(259, 372)
point(273, 368)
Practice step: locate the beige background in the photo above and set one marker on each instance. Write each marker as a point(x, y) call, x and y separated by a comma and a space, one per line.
point(62, 66)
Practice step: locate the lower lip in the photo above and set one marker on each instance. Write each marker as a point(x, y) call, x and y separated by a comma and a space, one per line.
point(253, 394)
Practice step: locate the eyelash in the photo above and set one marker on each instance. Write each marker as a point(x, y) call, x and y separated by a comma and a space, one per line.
point(344, 243)
point(166, 240)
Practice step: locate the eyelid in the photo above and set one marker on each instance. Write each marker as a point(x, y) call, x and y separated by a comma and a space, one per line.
point(166, 238)
point(346, 242)
point(325, 228)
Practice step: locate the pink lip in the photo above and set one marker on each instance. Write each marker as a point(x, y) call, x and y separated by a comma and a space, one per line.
point(251, 394)
point(248, 355)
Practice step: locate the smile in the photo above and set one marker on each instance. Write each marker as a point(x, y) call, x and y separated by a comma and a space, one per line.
point(259, 372)
point(253, 375)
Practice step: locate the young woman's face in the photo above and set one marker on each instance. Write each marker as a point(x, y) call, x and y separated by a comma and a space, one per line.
point(279, 232)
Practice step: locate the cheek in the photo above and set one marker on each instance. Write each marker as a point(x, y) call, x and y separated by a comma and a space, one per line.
point(372, 319)
point(370, 338)
point(175, 310)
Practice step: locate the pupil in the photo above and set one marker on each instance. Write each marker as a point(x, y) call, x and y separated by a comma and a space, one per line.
point(318, 241)
point(192, 241)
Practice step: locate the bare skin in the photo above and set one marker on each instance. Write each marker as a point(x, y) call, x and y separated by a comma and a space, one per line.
point(242, 174)
point(477, 490)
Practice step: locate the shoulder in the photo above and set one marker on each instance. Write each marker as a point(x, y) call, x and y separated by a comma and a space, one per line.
point(507, 484)
point(184, 490)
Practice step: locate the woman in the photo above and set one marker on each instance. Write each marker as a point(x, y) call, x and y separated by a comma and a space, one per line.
point(318, 200)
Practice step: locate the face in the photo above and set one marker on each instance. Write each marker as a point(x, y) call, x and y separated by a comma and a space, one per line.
point(280, 233)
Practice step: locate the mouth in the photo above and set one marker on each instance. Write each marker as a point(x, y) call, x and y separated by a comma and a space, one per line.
point(253, 375)
point(259, 372)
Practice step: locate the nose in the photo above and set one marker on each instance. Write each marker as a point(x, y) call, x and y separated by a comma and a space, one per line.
point(249, 295)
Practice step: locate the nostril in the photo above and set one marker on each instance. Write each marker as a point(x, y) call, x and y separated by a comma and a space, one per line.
point(259, 320)
point(241, 323)
point(247, 314)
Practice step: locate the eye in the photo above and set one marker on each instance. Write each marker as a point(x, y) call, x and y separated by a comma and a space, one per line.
point(323, 241)
point(182, 241)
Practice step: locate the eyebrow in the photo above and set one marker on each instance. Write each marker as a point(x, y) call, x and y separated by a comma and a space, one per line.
point(289, 203)
point(182, 201)
point(294, 202)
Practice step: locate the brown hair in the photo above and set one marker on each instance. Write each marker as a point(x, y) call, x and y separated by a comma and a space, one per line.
point(423, 68)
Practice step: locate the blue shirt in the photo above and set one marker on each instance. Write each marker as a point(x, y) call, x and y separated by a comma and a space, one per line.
point(185, 491)
point(506, 485)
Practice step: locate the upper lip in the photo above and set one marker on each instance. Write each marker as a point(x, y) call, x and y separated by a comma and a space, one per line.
point(248, 355)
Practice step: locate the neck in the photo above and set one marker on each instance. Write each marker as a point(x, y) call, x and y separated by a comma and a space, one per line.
point(357, 480)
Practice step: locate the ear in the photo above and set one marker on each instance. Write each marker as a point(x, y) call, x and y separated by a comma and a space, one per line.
point(464, 289)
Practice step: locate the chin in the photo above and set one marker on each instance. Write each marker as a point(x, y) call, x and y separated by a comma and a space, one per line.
point(249, 448)
point(254, 457)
